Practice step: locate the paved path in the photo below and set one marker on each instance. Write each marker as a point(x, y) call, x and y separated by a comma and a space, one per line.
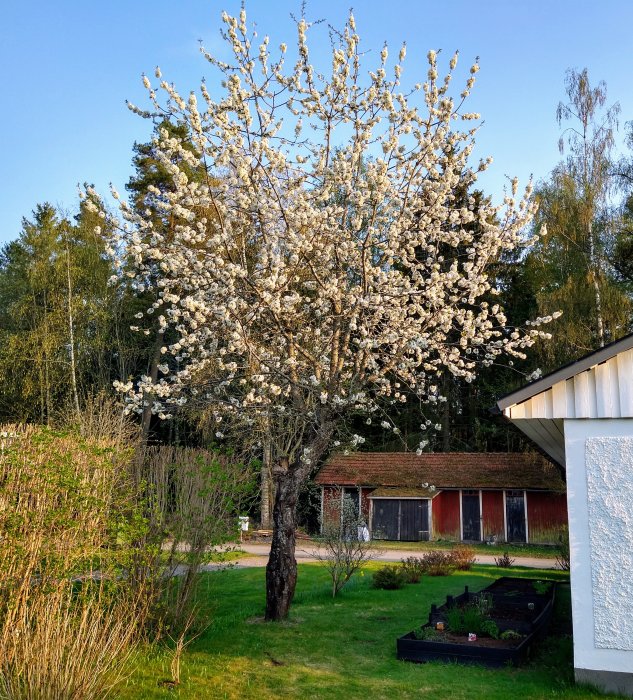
point(305, 553)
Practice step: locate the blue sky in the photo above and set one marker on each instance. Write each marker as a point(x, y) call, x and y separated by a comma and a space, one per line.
point(68, 67)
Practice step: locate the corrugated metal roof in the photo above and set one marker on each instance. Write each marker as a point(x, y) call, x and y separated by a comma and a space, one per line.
point(599, 385)
point(566, 372)
point(468, 470)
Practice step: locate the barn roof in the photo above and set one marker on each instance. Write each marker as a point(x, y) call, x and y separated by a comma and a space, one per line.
point(466, 470)
point(403, 492)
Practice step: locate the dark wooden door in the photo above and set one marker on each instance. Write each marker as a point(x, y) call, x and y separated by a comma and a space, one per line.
point(515, 516)
point(414, 520)
point(385, 518)
point(471, 516)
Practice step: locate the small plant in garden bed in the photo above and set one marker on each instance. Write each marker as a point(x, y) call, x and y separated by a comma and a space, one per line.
point(490, 629)
point(505, 561)
point(465, 620)
point(484, 603)
point(389, 578)
point(428, 633)
point(541, 587)
point(510, 634)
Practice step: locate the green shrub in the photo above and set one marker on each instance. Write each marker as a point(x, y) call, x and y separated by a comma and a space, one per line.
point(389, 578)
point(412, 569)
point(510, 634)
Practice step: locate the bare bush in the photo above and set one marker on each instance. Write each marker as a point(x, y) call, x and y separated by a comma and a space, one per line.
point(344, 541)
point(563, 553)
point(102, 417)
point(463, 557)
point(192, 500)
point(505, 561)
point(437, 563)
point(412, 568)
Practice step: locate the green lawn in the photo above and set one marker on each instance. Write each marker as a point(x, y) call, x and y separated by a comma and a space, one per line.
point(344, 648)
point(224, 556)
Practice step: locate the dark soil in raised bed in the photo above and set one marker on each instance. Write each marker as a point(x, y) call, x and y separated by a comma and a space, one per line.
point(514, 586)
point(449, 638)
point(515, 605)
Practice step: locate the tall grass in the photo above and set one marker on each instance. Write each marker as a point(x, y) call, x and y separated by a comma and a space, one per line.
point(62, 647)
point(101, 545)
point(68, 624)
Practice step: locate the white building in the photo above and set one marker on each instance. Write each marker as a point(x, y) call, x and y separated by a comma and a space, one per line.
point(582, 416)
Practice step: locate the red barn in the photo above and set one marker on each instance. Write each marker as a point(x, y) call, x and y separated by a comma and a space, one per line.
point(466, 496)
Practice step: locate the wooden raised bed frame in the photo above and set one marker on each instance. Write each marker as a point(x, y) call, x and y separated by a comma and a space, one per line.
point(533, 626)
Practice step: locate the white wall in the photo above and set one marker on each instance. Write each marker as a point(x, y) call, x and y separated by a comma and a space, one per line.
point(599, 460)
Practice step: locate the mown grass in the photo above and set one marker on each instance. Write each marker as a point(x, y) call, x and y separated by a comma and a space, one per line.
point(223, 556)
point(344, 647)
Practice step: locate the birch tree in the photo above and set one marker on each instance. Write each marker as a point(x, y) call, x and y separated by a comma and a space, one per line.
point(572, 268)
point(325, 271)
point(589, 140)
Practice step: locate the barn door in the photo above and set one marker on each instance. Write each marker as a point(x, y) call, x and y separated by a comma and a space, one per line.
point(515, 516)
point(414, 520)
point(385, 518)
point(471, 516)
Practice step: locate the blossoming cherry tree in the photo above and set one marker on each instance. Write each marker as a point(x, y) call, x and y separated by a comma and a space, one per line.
point(323, 268)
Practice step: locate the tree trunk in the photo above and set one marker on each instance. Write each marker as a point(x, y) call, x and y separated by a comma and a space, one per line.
point(593, 263)
point(281, 571)
point(146, 416)
point(71, 336)
point(446, 416)
point(266, 486)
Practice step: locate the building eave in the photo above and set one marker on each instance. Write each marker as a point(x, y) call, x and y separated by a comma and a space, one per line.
point(566, 372)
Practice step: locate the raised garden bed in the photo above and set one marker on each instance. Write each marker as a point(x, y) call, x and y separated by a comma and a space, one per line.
point(516, 610)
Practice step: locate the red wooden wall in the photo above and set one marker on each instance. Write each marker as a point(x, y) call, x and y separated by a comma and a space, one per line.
point(446, 524)
point(492, 513)
point(331, 503)
point(364, 503)
point(547, 514)
point(332, 500)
